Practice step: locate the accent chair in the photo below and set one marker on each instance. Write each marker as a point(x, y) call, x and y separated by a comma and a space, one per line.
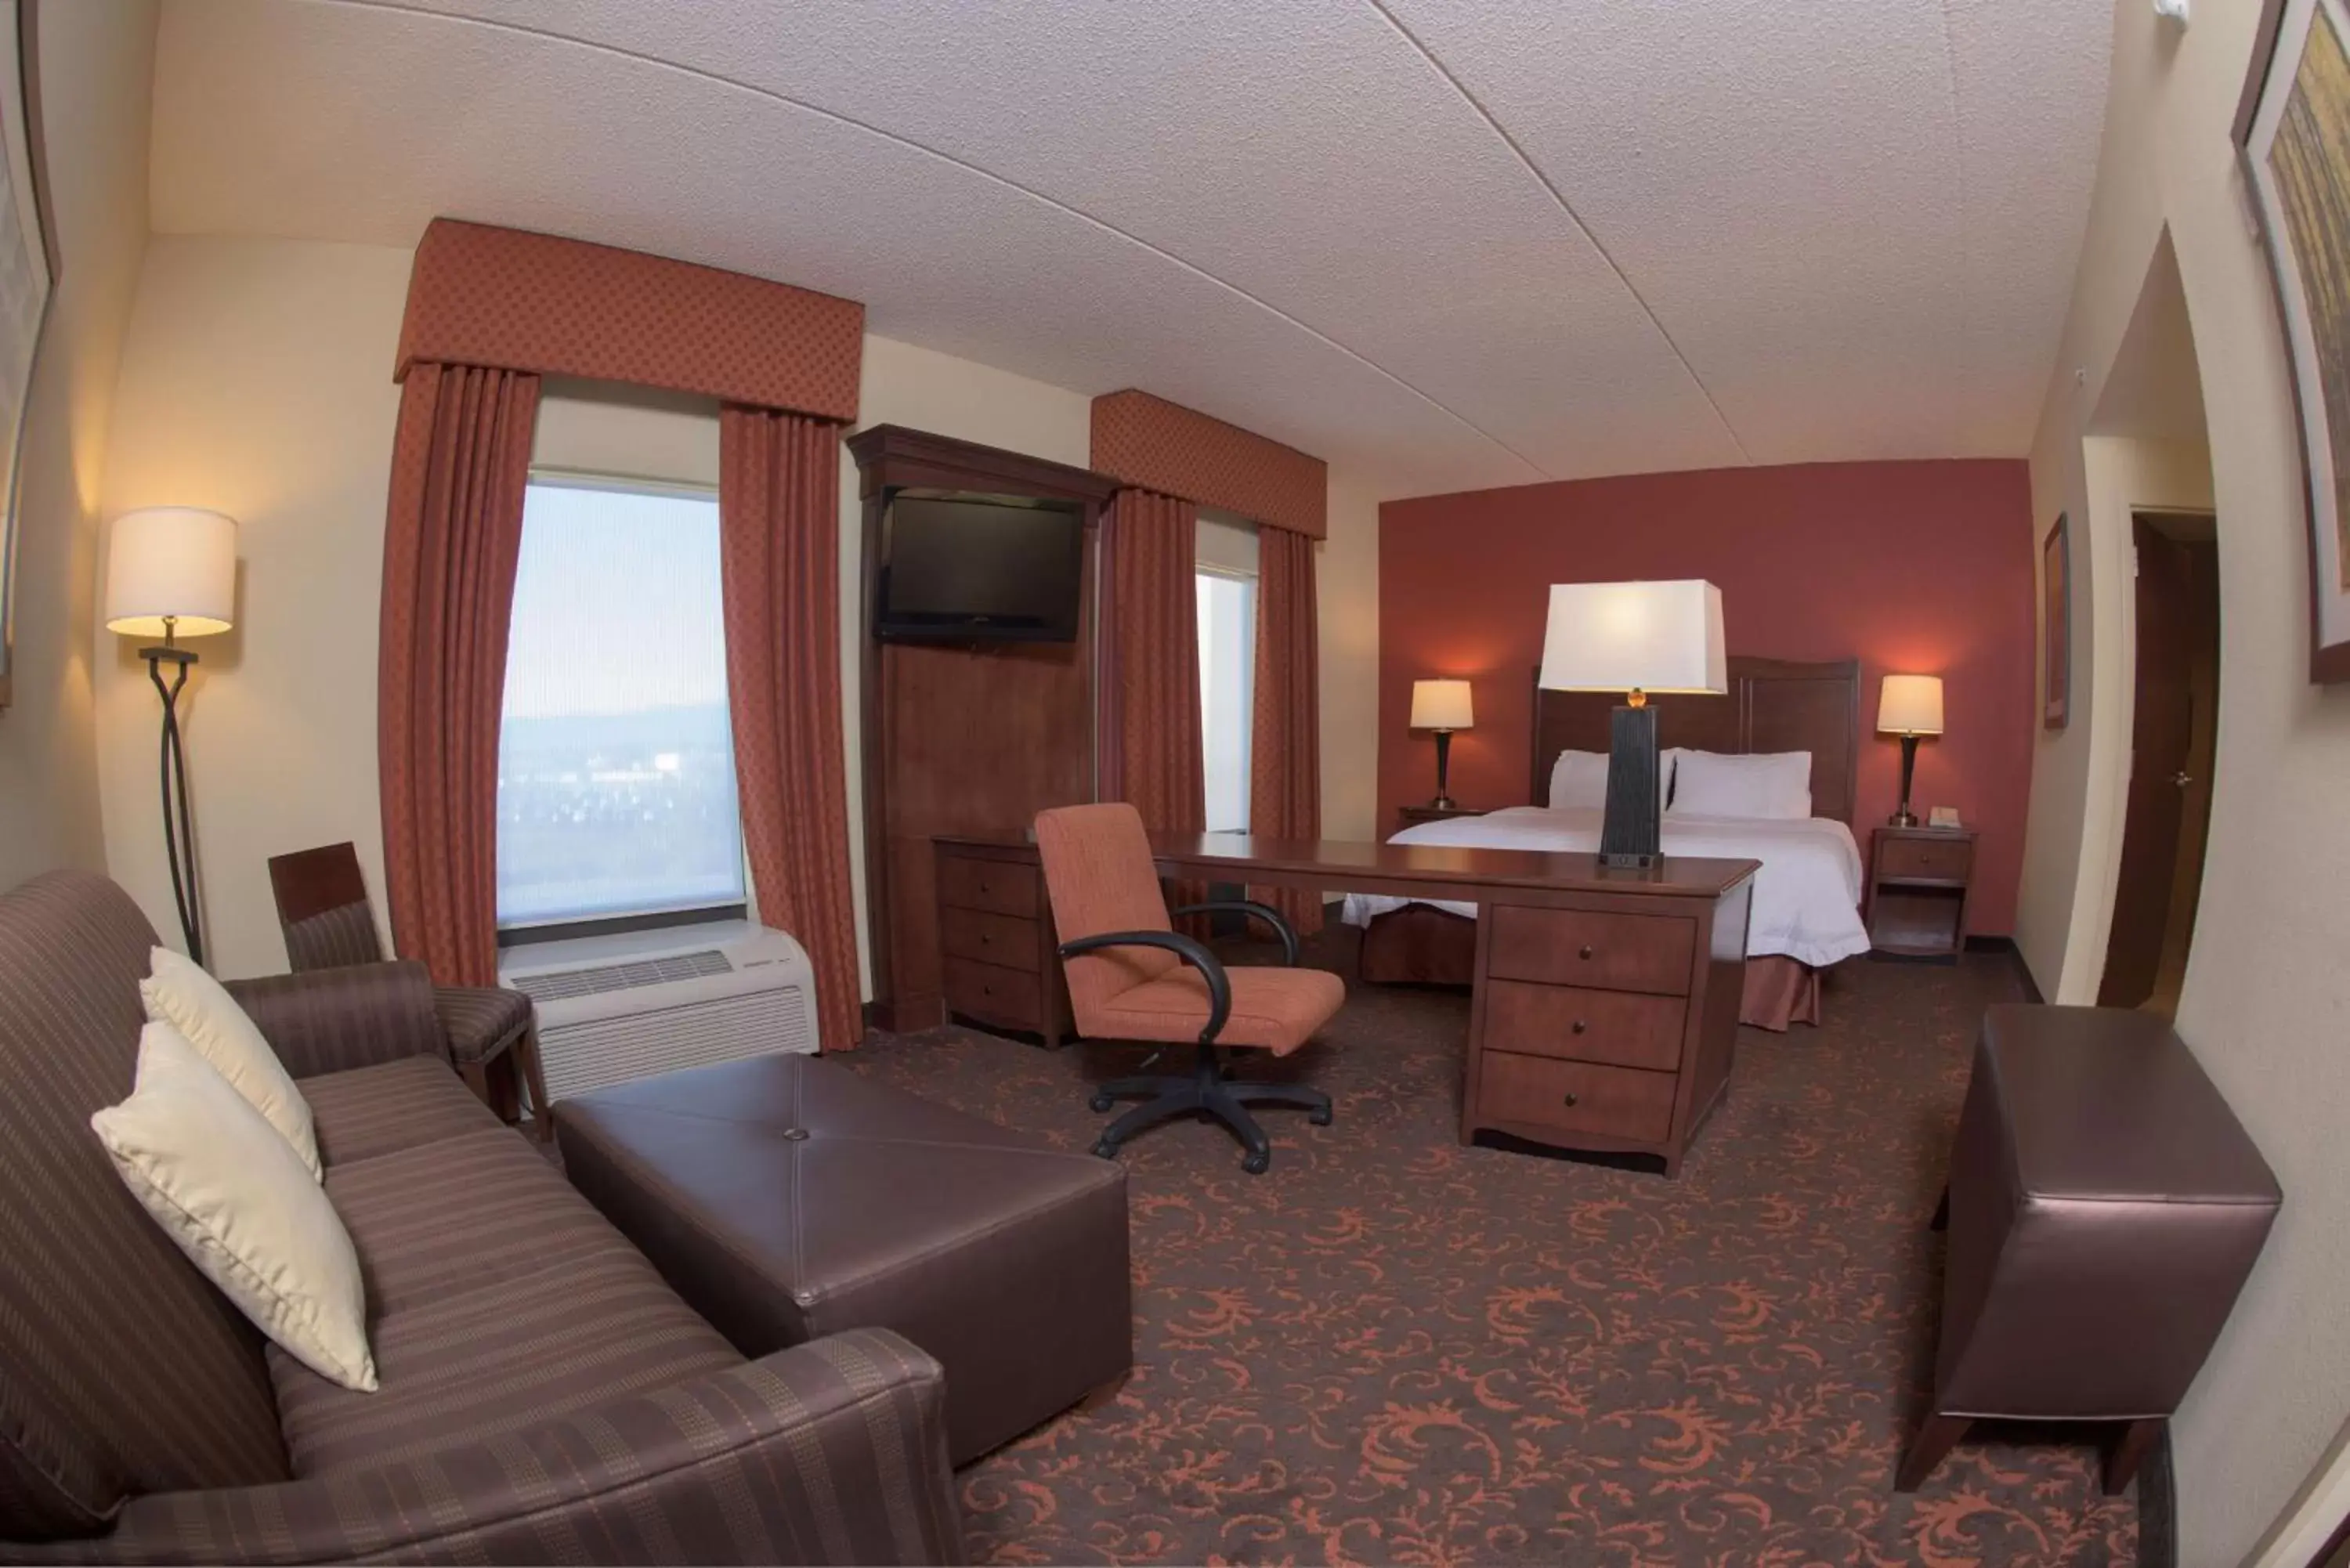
point(323, 908)
point(1132, 976)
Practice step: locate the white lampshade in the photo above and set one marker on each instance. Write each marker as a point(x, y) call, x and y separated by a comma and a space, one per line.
point(1442, 705)
point(1625, 637)
point(175, 561)
point(1910, 705)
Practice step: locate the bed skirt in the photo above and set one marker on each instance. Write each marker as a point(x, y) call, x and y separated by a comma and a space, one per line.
point(1419, 945)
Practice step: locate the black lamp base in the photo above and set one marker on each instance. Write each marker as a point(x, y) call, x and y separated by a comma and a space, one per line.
point(178, 830)
point(1631, 835)
point(1905, 817)
point(1443, 801)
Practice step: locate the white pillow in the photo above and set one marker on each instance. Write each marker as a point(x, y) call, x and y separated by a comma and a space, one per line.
point(1773, 785)
point(1579, 779)
point(180, 993)
point(239, 1202)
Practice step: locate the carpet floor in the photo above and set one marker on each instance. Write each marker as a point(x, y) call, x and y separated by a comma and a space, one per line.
point(1393, 1349)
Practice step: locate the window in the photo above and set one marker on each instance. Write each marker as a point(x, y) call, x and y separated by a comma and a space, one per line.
point(1227, 690)
point(615, 755)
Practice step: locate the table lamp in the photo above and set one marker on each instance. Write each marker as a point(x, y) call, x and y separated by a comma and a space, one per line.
point(1909, 706)
point(171, 572)
point(1442, 706)
point(1642, 639)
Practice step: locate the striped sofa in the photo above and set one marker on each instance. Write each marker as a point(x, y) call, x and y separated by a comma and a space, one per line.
point(547, 1396)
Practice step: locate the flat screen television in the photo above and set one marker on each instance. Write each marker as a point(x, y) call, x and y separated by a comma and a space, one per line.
point(977, 568)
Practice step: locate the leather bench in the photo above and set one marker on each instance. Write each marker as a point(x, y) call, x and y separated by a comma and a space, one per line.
point(2104, 1209)
point(787, 1198)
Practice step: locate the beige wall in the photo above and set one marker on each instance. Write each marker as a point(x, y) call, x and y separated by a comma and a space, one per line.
point(97, 60)
point(2266, 988)
point(257, 379)
point(1346, 582)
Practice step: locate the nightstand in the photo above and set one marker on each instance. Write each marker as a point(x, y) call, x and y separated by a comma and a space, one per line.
point(1919, 880)
point(1413, 815)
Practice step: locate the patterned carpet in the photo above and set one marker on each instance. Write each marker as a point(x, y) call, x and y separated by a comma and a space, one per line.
point(1392, 1349)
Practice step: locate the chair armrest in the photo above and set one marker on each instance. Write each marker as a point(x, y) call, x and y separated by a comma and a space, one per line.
point(332, 1019)
point(481, 1021)
point(1191, 950)
point(832, 1451)
point(1265, 912)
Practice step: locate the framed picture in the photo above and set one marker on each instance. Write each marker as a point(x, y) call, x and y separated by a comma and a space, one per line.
point(29, 274)
point(2057, 591)
point(2294, 131)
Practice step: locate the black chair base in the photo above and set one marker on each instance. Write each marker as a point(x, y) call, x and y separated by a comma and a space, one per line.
point(1206, 1092)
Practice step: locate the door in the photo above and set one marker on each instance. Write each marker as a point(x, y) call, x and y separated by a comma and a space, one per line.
point(2172, 742)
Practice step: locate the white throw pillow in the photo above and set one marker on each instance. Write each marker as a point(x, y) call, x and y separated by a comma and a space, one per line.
point(238, 1201)
point(180, 993)
point(1579, 780)
point(1773, 785)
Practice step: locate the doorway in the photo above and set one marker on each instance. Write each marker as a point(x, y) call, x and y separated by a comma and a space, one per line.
point(2174, 735)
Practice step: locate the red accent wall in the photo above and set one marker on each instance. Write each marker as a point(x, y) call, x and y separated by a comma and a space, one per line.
point(1916, 567)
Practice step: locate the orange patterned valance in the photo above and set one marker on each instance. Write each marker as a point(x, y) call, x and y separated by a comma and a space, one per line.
point(1151, 442)
point(518, 301)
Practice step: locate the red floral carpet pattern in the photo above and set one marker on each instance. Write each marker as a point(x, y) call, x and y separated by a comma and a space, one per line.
point(1392, 1349)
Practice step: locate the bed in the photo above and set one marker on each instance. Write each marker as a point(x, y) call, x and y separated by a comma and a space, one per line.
point(1807, 915)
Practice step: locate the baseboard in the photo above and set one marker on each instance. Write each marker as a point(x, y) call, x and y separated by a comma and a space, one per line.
point(2157, 1507)
point(2015, 956)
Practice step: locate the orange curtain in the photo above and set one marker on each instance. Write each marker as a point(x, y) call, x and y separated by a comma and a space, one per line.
point(453, 535)
point(779, 550)
point(1155, 620)
point(1285, 732)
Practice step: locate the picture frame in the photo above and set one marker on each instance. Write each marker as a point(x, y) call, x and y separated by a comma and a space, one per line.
point(2056, 600)
point(28, 278)
point(2293, 136)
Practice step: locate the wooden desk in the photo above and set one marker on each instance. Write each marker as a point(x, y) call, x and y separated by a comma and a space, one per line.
point(1605, 1008)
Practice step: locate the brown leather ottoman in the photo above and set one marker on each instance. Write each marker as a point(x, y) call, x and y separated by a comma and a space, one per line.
point(2104, 1209)
point(787, 1198)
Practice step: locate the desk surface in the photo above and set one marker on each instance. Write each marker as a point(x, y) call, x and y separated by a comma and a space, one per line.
point(1429, 871)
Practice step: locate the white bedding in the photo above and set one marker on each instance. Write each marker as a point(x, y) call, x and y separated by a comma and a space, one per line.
point(1806, 897)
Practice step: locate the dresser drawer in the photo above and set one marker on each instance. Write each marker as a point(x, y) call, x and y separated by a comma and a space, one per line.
point(1623, 1028)
point(989, 885)
point(990, 939)
point(1577, 947)
point(1575, 1096)
point(994, 993)
point(1942, 859)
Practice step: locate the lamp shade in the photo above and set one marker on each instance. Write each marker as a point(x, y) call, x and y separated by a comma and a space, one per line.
point(1623, 637)
point(1910, 705)
point(170, 560)
point(1442, 705)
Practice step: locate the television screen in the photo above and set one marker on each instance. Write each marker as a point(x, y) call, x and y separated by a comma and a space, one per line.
point(970, 569)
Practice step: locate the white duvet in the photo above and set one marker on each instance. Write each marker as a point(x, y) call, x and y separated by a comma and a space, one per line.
point(1806, 897)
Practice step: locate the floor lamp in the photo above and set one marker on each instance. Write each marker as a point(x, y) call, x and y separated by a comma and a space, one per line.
point(1639, 639)
point(171, 572)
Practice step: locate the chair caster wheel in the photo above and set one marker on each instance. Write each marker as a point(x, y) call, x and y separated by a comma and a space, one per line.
point(1101, 1102)
point(1319, 1116)
point(1106, 1148)
point(1258, 1163)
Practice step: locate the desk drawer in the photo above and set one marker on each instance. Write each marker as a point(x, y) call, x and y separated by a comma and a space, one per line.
point(990, 885)
point(990, 939)
point(994, 993)
point(1575, 1096)
point(1578, 947)
point(1622, 1028)
point(1945, 860)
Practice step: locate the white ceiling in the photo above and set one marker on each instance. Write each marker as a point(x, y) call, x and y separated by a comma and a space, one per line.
point(1448, 245)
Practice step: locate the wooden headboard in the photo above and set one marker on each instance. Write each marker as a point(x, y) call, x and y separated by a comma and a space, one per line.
point(1773, 705)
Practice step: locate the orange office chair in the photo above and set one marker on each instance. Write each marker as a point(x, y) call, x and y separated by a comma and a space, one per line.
point(1132, 976)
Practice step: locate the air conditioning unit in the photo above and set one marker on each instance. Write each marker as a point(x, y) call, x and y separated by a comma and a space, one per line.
point(620, 1007)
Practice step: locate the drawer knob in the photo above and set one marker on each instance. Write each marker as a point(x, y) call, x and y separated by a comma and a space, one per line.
point(1580, 1025)
point(1572, 1100)
point(1586, 951)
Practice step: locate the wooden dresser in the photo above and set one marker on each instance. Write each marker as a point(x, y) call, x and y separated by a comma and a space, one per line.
point(997, 966)
point(1607, 1021)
